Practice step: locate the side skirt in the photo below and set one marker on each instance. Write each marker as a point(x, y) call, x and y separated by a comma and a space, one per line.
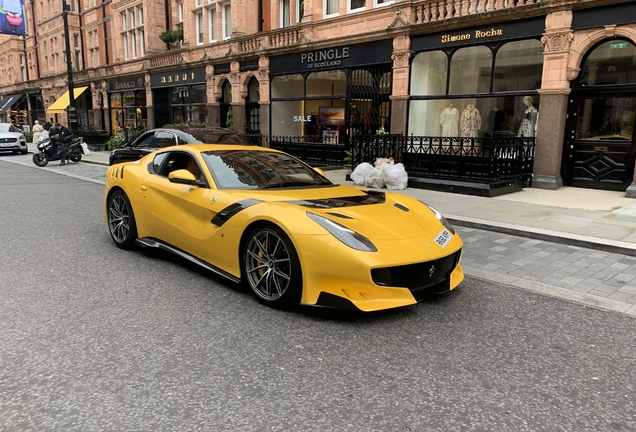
point(149, 242)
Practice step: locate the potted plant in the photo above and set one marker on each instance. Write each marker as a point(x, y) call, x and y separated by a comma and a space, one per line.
point(172, 38)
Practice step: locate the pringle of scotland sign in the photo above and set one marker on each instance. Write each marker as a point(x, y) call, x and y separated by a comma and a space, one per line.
point(333, 58)
point(324, 58)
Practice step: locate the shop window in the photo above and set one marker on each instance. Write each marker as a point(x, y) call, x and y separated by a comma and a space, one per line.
point(198, 94)
point(288, 115)
point(129, 98)
point(611, 63)
point(227, 92)
point(507, 116)
point(519, 66)
point(327, 83)
point(287, 86)
point(471, 70)
point(428, 73)
point(140, 98)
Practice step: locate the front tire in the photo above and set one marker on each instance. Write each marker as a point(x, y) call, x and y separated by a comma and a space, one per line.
point(121, 220)
point(271, 267)
point(40, 159)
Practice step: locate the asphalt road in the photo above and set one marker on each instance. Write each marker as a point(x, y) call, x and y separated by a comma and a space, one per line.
point(94, 338)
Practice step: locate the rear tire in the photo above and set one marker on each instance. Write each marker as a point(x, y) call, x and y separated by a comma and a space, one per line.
point(40, 159)
point(271, 268)
point(76, 156)
point(121, 220)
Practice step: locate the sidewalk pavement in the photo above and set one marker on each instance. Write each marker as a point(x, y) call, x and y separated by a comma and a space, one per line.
point(602, 220)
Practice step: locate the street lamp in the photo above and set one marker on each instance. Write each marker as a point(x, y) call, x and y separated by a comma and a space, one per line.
point(72, 114)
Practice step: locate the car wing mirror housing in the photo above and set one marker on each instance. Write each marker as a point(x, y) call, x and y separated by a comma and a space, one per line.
point(182, 176)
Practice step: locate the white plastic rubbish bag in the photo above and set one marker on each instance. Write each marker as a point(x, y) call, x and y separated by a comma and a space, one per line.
point(375, 179)
point(360, 173)
point(395, 176)
point(85, 149)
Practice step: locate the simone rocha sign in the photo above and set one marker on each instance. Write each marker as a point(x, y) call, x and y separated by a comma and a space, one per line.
point(478, 34)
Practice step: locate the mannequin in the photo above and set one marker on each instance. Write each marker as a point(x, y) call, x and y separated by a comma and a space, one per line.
point(470, 121)
point(495, 120)
point(528, 126)
point(448, 119)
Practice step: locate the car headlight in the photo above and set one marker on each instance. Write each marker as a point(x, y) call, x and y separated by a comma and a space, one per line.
point(441, 218)
point(344, 234)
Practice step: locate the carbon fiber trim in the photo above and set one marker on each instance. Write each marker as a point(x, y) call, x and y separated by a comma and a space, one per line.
point(229, 211)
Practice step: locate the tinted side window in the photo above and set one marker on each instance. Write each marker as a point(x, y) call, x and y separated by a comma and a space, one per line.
point(158, 161)
point(164, 139)
point(145, 140)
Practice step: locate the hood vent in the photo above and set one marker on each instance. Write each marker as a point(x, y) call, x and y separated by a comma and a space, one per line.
point(401, 207)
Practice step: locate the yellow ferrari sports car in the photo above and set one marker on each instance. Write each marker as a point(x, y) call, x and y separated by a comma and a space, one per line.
point(262, 217)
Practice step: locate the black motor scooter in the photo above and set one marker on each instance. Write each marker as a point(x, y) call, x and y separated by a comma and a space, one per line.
point(49, 152)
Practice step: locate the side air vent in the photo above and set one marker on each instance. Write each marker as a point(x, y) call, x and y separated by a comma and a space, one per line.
point(401, 207)
point(340, 215)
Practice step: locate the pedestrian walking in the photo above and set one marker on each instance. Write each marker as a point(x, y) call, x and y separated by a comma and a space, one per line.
point(37, 132)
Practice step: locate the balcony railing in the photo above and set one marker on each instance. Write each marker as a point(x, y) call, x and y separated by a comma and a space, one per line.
point(431, 11)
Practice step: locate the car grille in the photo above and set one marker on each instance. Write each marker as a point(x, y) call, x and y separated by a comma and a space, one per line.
point(418, 276)
point(8, 140)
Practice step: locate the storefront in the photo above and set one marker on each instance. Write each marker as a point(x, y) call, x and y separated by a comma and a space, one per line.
point(332, 93)
point(14, 109)
point(477, 82)
point(180, 97)
point(600, 145)
point(127, 104)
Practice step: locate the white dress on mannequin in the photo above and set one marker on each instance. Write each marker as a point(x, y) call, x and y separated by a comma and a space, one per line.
point(528, 126)
point(448, 119)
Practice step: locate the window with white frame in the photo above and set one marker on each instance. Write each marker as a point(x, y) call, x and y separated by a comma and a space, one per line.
point(355, 5)
point(330, 8)
point(198, 22)
point(93, 48)
point(132, 20)
point(227, 20)
point(212, 24)
point(300, 10)
point(23, 71)
point(180, 11)
point(78, 60)
point(377, 3)
point(284, 13)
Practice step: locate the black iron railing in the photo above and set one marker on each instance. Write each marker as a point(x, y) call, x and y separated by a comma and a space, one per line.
point(481, 160)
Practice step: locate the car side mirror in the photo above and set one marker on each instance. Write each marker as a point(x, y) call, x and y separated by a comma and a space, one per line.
point(319, 171)
point(183, 176)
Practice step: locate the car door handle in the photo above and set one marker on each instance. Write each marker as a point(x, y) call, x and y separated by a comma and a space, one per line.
point(143, 188)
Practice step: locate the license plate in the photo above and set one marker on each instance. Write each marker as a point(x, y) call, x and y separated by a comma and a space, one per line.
point(443, 238)
point(7, 145)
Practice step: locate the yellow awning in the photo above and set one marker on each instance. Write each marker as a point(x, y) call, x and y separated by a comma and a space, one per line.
point(60, 105)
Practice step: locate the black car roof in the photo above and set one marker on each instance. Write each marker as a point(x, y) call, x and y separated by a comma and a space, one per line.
point(206, 135)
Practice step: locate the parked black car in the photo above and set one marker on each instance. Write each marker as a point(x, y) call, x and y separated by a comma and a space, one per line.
point(159, 138)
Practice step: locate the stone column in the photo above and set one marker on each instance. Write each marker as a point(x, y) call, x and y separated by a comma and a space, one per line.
point(262, 74)
point(555, 88)
point(149, 103)
point(400, 94)
point(212, 97)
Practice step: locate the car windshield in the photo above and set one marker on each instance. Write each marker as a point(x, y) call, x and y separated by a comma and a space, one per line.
point(213, 136)
point(247, 169)
point(8, 127)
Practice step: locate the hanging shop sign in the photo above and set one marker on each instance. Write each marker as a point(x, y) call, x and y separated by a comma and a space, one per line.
point(177, 78)
point(125, 84)
point(533, 27)
point(332, 58)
